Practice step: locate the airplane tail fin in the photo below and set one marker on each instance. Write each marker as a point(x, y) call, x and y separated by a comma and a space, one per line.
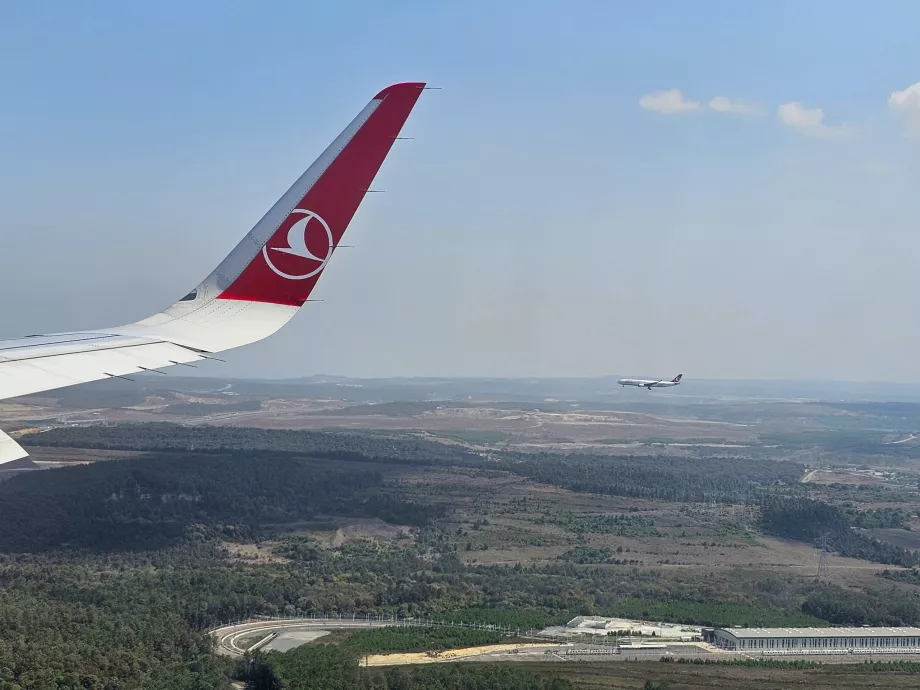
point(271, 273)
point(677, 378)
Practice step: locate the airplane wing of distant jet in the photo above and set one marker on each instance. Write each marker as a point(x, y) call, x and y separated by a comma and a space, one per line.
point(254, 291)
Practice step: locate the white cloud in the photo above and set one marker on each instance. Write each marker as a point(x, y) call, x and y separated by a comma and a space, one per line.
point(810, 121)
point(906, 105)
point(722, 104)
point(668, 102)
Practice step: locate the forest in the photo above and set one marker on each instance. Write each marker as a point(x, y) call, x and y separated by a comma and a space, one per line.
point(806, 519)
point(152, 501)
point(889, 607)
point(107, 607)
point(113, 572)
point(651, 477)
point(655, 478)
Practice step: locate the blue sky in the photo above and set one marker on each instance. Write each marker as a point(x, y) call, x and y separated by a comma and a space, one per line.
point(542, 222)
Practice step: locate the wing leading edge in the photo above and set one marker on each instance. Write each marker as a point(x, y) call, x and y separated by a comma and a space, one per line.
point(254, 291)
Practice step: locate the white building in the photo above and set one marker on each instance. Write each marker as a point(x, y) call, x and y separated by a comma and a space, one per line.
point(818, 640)
point(603, 626)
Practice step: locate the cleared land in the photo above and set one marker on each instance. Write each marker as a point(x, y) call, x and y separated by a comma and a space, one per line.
point(591, 675)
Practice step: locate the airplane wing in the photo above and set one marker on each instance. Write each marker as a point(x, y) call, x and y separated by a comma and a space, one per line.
point(254, 291)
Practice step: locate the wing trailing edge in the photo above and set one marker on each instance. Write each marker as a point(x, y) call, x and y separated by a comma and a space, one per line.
point(10, 450)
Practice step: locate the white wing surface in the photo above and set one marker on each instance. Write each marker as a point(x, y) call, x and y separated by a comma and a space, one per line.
point(254, 291)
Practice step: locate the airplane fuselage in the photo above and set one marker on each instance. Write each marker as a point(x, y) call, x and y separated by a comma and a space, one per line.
point(651, 383)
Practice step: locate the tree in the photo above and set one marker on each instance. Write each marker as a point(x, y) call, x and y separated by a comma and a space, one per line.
point(652, 685)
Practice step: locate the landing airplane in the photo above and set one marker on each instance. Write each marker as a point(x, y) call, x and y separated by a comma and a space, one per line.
point(254, 291)
point(651, 383)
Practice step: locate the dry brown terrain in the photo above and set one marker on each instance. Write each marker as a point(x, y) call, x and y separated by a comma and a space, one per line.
point(598, 431)
point(408, 658)
point(584, 428)
point(632, 676)
point(350, 529)
point(854, 477)
point(692, 536)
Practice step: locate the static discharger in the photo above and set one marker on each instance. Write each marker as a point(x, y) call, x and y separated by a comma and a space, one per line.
point(152, 371)
point(116, 376)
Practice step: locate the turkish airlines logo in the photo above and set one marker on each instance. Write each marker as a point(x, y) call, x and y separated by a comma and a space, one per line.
point(309, 248)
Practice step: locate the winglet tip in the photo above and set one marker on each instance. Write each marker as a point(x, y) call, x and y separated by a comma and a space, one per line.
point(401, 86)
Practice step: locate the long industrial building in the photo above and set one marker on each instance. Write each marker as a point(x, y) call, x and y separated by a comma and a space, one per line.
point(816, 640)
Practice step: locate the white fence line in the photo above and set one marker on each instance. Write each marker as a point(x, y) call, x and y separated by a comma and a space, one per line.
point(380, 619)
point(375, 620)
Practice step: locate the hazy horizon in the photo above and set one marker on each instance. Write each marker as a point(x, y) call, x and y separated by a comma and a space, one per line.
point(722, 189)
point(584, 389)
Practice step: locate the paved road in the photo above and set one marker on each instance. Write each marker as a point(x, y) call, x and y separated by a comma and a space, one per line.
point(230, 638)
point(289, 639)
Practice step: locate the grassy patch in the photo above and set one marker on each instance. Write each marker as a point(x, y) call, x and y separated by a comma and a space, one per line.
point(418, 639)
point(635, 526)
point(586, 555)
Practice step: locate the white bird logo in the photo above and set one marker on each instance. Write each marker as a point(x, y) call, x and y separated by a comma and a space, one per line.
point(297, 245)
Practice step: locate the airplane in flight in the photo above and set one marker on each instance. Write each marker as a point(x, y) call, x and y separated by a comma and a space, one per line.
point(651, 383)
point(254, 291)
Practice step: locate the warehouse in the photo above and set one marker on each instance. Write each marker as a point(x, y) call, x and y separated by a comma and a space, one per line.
point(817, 640)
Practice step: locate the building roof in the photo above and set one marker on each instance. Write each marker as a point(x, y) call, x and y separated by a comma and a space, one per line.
point(749, 633)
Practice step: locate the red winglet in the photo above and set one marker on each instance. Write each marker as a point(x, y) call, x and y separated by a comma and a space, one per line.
point(290, 263)
point(403, 86)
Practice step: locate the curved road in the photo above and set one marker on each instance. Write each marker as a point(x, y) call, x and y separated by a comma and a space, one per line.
point(229, 638)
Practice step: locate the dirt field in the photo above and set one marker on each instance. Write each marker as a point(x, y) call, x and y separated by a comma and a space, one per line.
point(591, 675)
point(856, 478)
point(600, 431)
point(447, 655)
point(588, 429)
point(351, 529)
